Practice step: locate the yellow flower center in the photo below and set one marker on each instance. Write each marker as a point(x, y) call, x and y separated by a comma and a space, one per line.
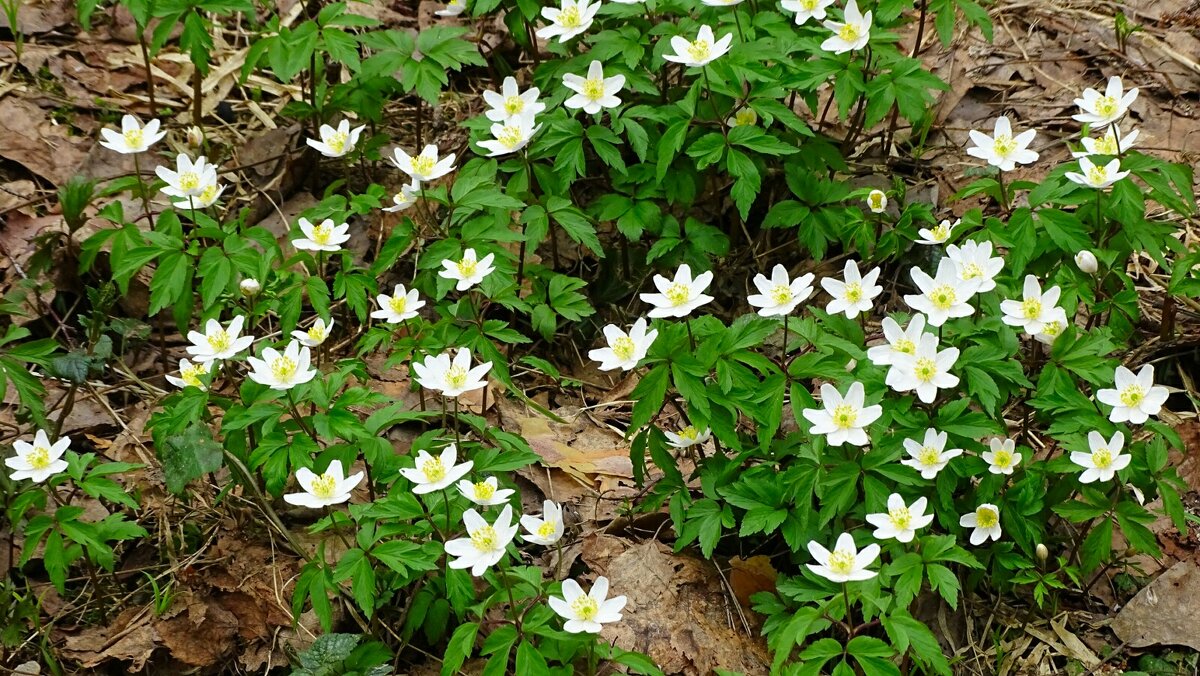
point(569, 18)
point(689, 433)
point(324, 486)
point(456, 377)
point(900, 517)
point(1053, 329)
point(904, 346)
point(188, 181)
point(337, 142)
point(593, 88)
point(1132, 395)
point(986, 517)
point(1003, 145)
point(845, 416)
point(547, 529)
point(943, 296)
point(219, 341)
point(1097, 175)
point(875, 200)
point(1032, 307)
point(484, 490)
point(191, 375)
point(848, 32)
point(317, 333)
point(781, 294)
point(401, 199)
point(1002, 459)
point(841, 561)
point(133, 138)
point(514, 105)
point(624, 348)
point(422, 165)
point(398, 304)
point(745, 117)
point(209, 194)
point(38, 458)
point(1107, 106)
point(321, 234)
point(484, 539)
point(678, 294)
point(940, 233)
point(434, 470)
point(699, 50)
point(929, 456)
point(808, 5)
point(854, 292)
point(466, 267)
point(971, 271)
point(1107, 144)
point(283, 368)
point(585, 607)
point(925, 369)
point(1102, 458)
point(510, 137)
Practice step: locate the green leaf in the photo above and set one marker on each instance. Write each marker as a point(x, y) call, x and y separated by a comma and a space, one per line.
point(189, 456)
point(459, 648)
point(649, 396)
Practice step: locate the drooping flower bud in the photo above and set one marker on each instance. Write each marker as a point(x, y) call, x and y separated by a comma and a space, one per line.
point(1087, 263)
point(250, 287)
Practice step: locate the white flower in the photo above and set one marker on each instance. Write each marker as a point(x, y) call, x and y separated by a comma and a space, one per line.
point(854, 294)
point(1003, 458)
point(405, 198)
point(807, 9)
point(926, 371)
point(547, 529)
point(1104, 460)
point(485, 544)
point(986, 522)
point(877, 200)
point(399, 306)
point(133, 137)
point(511, 136)
point(424, 167)
point(850, 35)
point(511, 103)
point(40, 460)
point(1002, 149)
point(189, 178)
point(430, 473)
point(843, 419)
point(901, 521)
point(585, 613)
point(1053, 327)
point(945, 296)
point(573, 18)
point(249, 287)
point(468, 270)
point(624, 350)
point(209, 194)
point(321, 490)
point(595, 92)
point(1111, 143)
point(1086, 262)
point(699, 52)
point(189, 375)
point(780, 295)
point(1103, 109)
point(217, 343)
point(744, 117)
point(940, 233)
point(929, 456)
point(900, 342)
point(845, 563)
point(316, 334)
point(974, 261)
point(451, 378)
point(1095, 176)
point(1135, 397)
point(1035, 308)
point(282, 371)
point(679, 296)
point(323, 237)
point(485, 493)
point(688, 437)
point(336, 142)
point(452, 8)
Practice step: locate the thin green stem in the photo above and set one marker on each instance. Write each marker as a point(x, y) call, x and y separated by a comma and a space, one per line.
point(143, 192)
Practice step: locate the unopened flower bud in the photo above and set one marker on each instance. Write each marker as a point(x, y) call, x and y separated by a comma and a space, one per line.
point(877, 201)
point(1087, 263)
point(195, 137)
point(250, 287)
point(1042, 552)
